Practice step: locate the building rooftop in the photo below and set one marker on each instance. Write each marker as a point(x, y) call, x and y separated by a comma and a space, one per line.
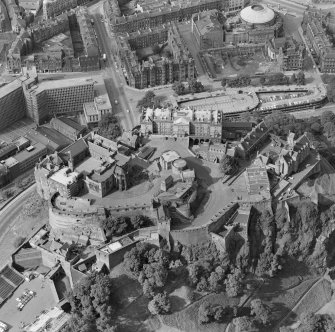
point(53, 135)
point(10, 162)
point(7, 149)
point(75, 148)
point(208, 22)
point(10, 87)
point(24, 155)
point(170, 156)
point(61, 84)
point(54, 319)
point(70, 124)
point(257, 14)
point(103, 172)
point(257, 180)
point(64, 176)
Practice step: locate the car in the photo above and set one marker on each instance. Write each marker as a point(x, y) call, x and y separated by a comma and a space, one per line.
point(127, 111)
point(116, 102)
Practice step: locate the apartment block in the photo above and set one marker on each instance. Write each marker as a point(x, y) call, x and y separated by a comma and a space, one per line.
point(53, 8)
point(182, 122)
point(12, 103)
point(90, 60)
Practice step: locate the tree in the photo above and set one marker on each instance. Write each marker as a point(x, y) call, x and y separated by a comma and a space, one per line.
point(301, 78)
point(261, 311)
point(316, 127)
point(157, 101)
point(92, 303)
point(293, 79)
point(109, 126)
point(147, 101)
point(234, 283)
point(148, 289)
point(327, 116)
point(195, 86)
point(160, 304)
point(178, 88)
point(329, 129)
point(216, 279)
point(244, 324)
point(139, 221)
point(316, 322)
point(204, 313)
point(228, 165)
point(115, 225)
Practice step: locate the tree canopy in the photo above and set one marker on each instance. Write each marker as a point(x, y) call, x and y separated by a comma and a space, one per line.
point(109, 126)
point(92, 304)
point(228, 165)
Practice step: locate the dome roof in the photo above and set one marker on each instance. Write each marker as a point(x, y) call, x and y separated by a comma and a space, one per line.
point(257, 14)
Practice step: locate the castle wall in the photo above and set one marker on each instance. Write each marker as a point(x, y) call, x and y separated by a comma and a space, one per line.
point(114, 258)
point(222, 217)
point(191, 236)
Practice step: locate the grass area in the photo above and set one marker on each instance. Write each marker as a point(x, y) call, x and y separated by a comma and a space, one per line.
point(187, 319)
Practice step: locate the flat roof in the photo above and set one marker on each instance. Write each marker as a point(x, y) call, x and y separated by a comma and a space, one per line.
point(170, 156)
point(10, 87)
point(23, 155)
point(54, 314)
point(88, 165)
point(71, 123)
point(54, 136)
point(65, 176)
point(61, 84)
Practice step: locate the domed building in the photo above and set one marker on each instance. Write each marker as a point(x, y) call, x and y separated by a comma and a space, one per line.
point(255, 24)
point(258, 15)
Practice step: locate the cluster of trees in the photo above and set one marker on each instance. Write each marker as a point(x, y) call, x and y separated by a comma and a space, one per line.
point(150, 266)
point(109, 126)
point(194, 86)
point(238, 82)
point(228, 165)
point(298, 78)
point(92, 305)
point(282, 123)
point(207, 270)
point(117, 226)
point(212, 313)
point(281, 79)
point(151, 100)
point(260, 315)
point(289, 235)
point(314, 322)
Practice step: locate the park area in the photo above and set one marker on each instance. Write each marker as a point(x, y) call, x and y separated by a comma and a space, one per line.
point(225, 65)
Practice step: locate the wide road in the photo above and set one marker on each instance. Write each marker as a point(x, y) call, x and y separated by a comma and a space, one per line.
point(13, 209)
point(113, 80)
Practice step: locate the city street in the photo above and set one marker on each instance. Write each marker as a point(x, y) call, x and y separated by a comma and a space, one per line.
point(113, 80)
